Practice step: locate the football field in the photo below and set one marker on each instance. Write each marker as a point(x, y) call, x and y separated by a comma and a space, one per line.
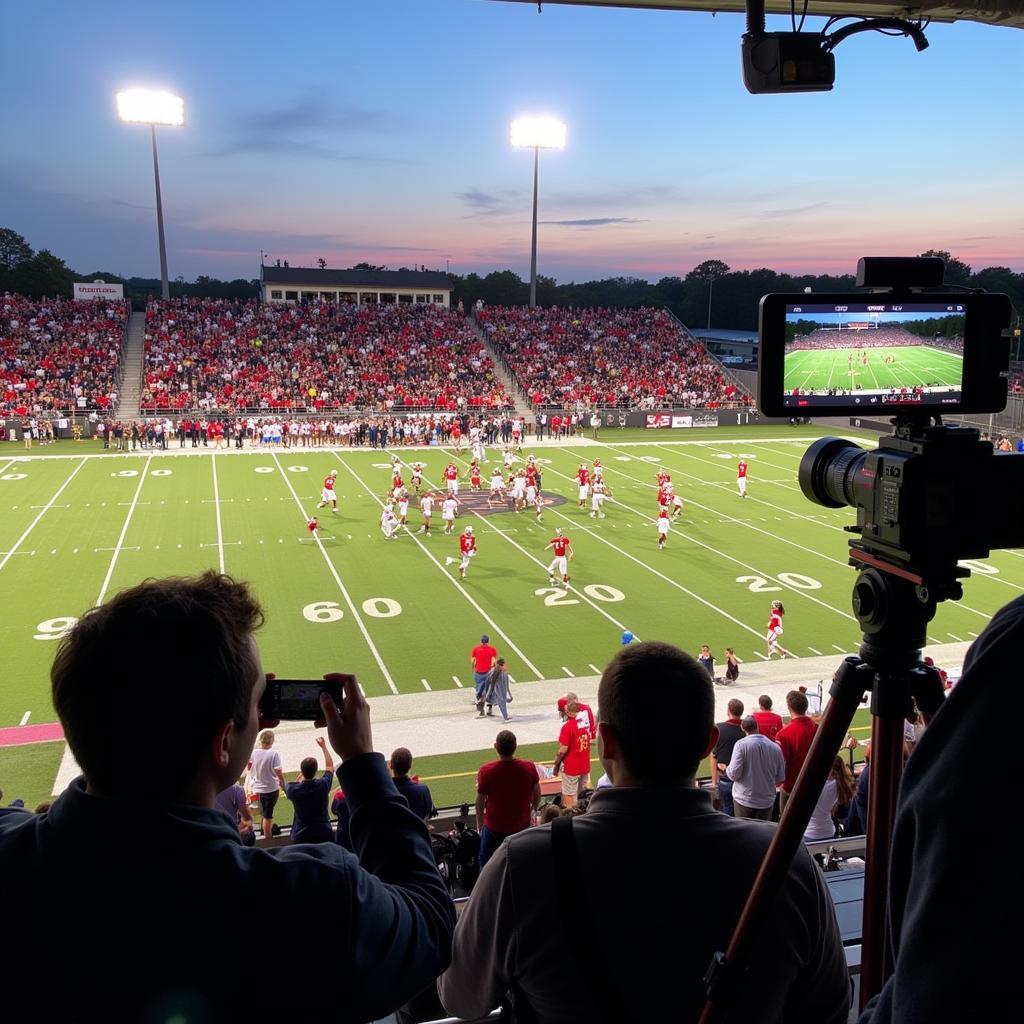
point(78, 526)
point(822, 369)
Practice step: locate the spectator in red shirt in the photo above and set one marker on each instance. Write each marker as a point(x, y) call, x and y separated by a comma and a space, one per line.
point(482, 658)
point(507, 794)
point(768, 722)
point(795, 741)
point(573, 755)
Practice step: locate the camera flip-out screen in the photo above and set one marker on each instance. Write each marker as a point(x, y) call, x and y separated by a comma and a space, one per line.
point(853, 354)
point(873, 354)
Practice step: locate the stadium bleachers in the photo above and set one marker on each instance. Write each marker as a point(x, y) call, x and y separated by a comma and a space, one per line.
point(57, 355)
point(622, 358)
point(218, 354)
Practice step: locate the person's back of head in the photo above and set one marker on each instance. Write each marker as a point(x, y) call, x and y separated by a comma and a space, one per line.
point(735, 708)
point(266, 739)
point(401, 762)
point(764, 702)
point(505, 743)
point(749, 725)
point(796, 702)
point(308, 767)
point(633, 687)
point(173, 661)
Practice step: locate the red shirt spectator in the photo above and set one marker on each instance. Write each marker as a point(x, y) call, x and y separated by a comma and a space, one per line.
point(795, 738)
point(507, 786)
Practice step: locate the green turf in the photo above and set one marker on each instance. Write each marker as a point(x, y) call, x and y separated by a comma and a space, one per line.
point(822, 369)
point(82, 528)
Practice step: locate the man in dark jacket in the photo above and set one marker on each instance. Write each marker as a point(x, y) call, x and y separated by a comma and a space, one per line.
point(145, 860)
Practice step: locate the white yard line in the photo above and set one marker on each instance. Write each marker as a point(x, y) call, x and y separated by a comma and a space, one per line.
point(32, 525)
point(456, 680)
point(341, 586)
point(426, 685)
point(124, 532)
point(456, 583)
point(25, 717)
point(216, 505)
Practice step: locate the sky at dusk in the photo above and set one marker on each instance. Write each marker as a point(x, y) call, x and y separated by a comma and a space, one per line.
point(378, 131)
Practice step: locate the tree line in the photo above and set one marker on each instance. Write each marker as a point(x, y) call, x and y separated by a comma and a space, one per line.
point(734, 294)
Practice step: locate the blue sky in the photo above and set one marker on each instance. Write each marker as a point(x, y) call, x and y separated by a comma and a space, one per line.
point(378, 131)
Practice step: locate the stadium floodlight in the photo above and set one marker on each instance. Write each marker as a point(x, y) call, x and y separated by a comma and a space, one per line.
point(536, 133)
point(154, 107)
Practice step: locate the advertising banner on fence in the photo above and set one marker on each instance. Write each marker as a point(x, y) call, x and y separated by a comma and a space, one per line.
point(682, 421)
point(86, 291)
point(657, 420)
point(706, 420)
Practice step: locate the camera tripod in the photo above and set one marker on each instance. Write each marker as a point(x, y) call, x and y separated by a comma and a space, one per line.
point(893, 606)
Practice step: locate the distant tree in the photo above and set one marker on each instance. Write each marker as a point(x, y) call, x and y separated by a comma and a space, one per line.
point(43, 275)
point(323, 263)
point(365, 266)
point(14, 250)
point(957, 272)
point(709, 271)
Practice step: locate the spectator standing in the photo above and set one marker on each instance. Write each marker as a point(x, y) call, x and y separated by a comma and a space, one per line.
point(309, 796)
point(756, 768)
point(729, 734)
point(495, 691)
point(507, 794)
point(573, 755)
point(482, 658)
point(699, 871)
point(233, 803)
point(794, 741)
point(175, 881)
point(416, 794)
point(267, 779)
point(768, 722)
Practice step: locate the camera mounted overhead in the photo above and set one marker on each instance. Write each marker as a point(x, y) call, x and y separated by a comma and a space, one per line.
point(798, 61)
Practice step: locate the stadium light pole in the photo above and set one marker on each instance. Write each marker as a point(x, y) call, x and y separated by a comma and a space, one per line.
point(536, 133)
point(148, 106)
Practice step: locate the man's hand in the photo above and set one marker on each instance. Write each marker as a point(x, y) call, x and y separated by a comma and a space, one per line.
point(348, 727)
point(321, 743)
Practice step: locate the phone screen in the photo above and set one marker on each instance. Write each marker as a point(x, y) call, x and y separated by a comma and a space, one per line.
point(297, 699)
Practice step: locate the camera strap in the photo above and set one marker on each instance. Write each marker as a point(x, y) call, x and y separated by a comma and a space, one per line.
point(576, 912)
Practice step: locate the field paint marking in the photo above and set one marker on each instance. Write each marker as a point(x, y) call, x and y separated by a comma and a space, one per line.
point(124, 532)
point(511, 679)
point(958, 639)
point(32, 525)
point(721, 554)
point(25, 718)
point(597, 671)
point(839, 649)
point(763, 657)
point(975, 635)
point(219, 544)
point(534, 558)
point(567, 671)
point(814, 650)
point(426, 685)
point(8, 466)
point(341, 586)
point(455, 582)
point(216, 505)
point(52, 506)
point(132, 547)
point(456, 681)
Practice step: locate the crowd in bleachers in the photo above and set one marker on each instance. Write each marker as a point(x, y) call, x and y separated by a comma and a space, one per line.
point(625, 358)
point(886, 336)
point(58, 355)
point(219, 354)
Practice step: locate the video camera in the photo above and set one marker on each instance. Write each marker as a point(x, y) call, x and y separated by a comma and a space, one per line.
point(929, 495)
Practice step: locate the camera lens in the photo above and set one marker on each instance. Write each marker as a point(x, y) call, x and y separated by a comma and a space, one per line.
point(827, 471)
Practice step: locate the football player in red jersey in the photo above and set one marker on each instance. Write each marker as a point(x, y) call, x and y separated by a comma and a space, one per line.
point(663, 525)
point(741, 477)
point(474, 476)
point(562, 550)
point(583, 476)
point(327, 495)
point(451, 477)
point(312, 525)
point(663, 478)
point(467, 546)
point(775, 631)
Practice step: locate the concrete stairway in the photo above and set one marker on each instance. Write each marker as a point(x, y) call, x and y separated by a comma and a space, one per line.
point(131, 380)
point(522, 403)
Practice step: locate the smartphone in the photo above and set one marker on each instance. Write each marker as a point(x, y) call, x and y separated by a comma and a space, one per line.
point(297, 700)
